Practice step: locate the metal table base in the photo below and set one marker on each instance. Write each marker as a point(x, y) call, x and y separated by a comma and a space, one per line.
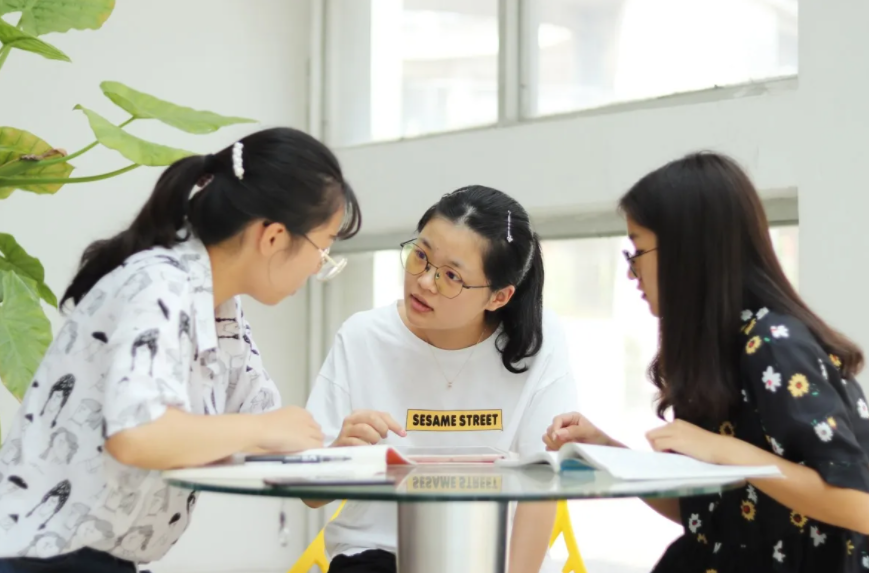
point(453, 537)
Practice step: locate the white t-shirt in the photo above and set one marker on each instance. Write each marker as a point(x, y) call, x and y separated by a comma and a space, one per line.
point(377, 363)
point(146, 337)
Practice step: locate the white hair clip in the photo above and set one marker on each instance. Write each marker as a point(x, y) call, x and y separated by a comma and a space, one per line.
point(509, 225)
point(237, 162)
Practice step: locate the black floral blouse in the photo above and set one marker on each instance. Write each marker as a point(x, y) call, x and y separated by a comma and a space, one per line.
point(797, 405)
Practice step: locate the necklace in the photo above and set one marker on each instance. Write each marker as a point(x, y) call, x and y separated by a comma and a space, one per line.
point(471, 355)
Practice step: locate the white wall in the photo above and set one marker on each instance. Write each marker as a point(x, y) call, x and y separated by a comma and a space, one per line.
point(832, 158)
point(236, 57)
point(579, 163)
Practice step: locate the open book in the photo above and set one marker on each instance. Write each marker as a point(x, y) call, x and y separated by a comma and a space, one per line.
point(626, 464)
point(357, 461)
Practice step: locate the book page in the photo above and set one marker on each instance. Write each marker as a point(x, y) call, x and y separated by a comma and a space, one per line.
point(452, 454)
point(262, 470)
point(626, 464)
point(356, 461)
point(542, 458)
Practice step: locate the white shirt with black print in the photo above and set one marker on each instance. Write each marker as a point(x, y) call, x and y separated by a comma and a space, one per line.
point(145, 338)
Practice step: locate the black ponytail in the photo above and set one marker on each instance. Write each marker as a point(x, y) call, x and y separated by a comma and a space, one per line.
point(522, 317)
point(289, 177)
point(157, 224)
point(512, 257)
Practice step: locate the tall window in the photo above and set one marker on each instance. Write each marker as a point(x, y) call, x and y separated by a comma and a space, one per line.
point(612, 338)
point(590, 53)
point(402, 68)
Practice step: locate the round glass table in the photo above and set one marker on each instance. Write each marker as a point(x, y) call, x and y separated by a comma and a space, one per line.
point(454, 517)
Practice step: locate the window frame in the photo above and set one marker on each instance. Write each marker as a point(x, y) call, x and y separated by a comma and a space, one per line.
point(517, 90)
point(781, 210)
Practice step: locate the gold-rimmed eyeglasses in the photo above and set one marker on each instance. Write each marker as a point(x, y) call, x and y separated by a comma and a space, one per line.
point(329, 267)
point(447, 280)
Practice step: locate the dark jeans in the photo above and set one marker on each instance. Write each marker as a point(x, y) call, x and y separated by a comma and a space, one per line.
point(81, 561)
point(374, 561)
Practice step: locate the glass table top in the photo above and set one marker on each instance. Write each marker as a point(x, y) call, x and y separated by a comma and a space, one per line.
point(468, 482)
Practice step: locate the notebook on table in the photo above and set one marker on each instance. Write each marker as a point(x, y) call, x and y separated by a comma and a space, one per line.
point(452, 454)
point(346, 462)
point(626, 464)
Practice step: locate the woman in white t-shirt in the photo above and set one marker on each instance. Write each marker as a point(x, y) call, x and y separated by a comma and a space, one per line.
point(470, 338)
point(156, 368)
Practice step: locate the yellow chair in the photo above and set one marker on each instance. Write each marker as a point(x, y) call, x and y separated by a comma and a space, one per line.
point(315, 554)
point(564, 528)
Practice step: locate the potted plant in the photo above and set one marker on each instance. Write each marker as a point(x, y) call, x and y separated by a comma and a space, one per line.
point(29, 163)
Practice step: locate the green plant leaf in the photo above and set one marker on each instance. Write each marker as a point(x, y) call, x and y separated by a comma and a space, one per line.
point(47, 295)
point(40, 17)
point(16, 259)
point(143, 106)
point(16, 142)
point(135, 149)
point(15, 38)
point(25, 333)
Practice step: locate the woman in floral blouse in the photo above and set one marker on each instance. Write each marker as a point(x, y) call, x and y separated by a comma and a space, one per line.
point(752, 376)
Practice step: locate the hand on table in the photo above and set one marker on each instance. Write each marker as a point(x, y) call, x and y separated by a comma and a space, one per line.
point(682, 437)
point(367, 427)
point(289, 429)
point(574, 427)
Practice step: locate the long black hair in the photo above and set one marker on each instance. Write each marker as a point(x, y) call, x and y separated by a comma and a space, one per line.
point(289, 178)
point(511, 256)
point(715, 259)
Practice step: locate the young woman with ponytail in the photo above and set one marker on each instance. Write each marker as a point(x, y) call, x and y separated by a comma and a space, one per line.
point(468, 352)
point(156, 367)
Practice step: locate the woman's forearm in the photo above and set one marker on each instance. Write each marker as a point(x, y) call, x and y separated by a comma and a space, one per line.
point(180, 439)
point(803, 490)
point(532, 528)
point(668, 508)
point(317, 503)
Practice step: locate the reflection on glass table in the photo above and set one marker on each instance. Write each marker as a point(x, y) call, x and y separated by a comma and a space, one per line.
point(454, 517)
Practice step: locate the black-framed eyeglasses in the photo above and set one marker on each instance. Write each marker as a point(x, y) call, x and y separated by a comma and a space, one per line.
point(630, 258)
point(447, 280)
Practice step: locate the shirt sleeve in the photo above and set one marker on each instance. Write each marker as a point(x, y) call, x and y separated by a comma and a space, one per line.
point(148, 359)
point(809, 412)
point(255, 390)
point(329, 402)
point(555, 398)
point(556, 393)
